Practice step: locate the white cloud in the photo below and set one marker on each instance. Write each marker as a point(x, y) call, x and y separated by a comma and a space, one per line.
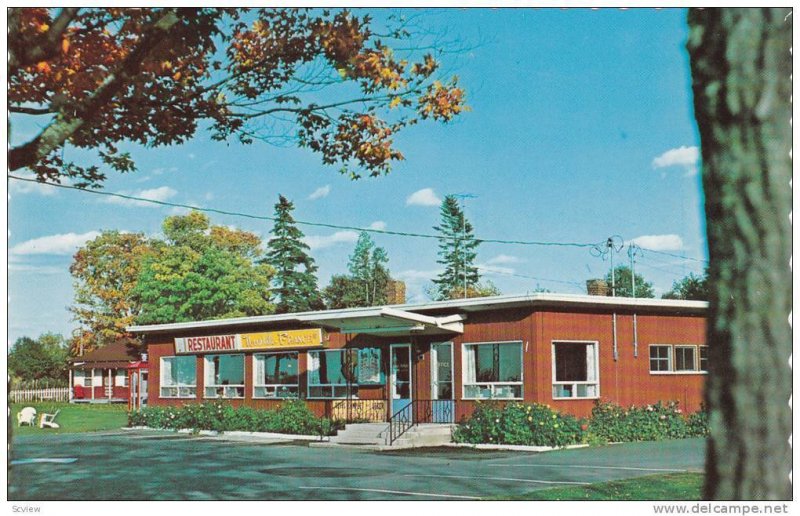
point(685, 157)
point(26, 187)
point(503, 259)
point(162, 193)
point(39, 270)
point(415, 276)
point(62, 244)
point(320, 192)
point(378, 224)
point(160, 170)
point(659, 242)
point(323, 241)
point(424, 197)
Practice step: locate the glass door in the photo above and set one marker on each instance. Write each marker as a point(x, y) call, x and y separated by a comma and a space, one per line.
point(400, 377)
point(442, 383)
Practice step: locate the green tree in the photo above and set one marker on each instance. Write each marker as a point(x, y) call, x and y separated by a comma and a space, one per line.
point(691, 287)
point(457, 253)
point(295, 281)
point(622, 280)
point(187, 285)
point(96, 78)
point(368, 280)
point(42, 359)
point(104, 272)
point(203, 272)
point(741, 64)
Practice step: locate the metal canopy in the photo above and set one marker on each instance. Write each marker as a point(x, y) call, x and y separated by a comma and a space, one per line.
point(387, 322)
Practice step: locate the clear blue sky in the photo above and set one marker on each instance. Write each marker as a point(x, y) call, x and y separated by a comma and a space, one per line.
point(581, 128)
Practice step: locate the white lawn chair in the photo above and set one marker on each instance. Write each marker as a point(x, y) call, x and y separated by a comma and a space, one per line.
point(26, 416)
point(48, 420)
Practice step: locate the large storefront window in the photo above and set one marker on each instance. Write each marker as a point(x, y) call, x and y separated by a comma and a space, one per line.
point(493, 370)
point(224, 375)
point(178, 377)
point(575, 370)
point(275, 375)
point(327, 373)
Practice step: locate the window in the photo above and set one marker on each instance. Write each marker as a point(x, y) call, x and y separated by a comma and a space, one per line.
point(178, 377)
point(276, 375)
point(327, 373)
point(684, 358)
point(87, 378)
point(493, 370)
point(121, 378)
point(660, 358)
point(224, 375)
point(681, 359)
point(442, 371)
point(575, 370)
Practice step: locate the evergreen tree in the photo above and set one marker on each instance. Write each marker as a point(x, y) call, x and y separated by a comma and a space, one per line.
point(457, 252)
point(368, 280)
point(295, 281)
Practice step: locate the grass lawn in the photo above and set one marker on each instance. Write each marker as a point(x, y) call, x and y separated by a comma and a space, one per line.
point(73, 417)
point(673, 486)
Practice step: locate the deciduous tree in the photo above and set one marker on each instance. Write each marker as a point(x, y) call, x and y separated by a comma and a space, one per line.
point(367, 284)
point(741, 64)
point(42, 359)
point(622, 282)
point(295, 281)
point(691, 287)
point(96, 78)
point(105, 271)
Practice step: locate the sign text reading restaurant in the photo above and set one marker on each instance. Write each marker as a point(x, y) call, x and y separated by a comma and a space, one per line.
point(250, 341)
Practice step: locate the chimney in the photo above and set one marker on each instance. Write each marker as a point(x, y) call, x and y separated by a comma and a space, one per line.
point(597, 287)
point(395, 292)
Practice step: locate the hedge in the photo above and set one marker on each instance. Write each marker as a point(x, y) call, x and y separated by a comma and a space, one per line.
point(291, 417)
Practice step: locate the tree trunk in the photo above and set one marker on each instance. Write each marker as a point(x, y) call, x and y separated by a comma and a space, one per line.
point(741, 66)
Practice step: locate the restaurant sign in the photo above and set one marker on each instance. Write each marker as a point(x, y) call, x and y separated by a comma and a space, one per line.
point(251, 341)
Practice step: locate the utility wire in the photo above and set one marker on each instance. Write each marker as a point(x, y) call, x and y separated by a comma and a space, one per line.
point(490, 271)
point(314, 224)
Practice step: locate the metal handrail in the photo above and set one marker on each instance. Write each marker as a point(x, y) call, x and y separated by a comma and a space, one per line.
point(419, 411)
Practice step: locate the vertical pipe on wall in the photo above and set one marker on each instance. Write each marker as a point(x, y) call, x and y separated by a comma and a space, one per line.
point(635, 338)
point(614, 329)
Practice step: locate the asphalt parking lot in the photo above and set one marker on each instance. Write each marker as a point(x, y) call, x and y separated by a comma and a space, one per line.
point(146, 465)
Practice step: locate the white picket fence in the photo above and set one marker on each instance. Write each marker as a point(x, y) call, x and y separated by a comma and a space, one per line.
point(52, 394)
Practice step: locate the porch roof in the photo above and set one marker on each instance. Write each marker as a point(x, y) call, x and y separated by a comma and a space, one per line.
point(387, 321)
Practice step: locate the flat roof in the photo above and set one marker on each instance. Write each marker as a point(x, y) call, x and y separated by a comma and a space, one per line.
point(454, 306)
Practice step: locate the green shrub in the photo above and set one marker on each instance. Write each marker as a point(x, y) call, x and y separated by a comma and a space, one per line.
point(291, 417)
point(610, 422)
point(697, 423)
point(517, 423)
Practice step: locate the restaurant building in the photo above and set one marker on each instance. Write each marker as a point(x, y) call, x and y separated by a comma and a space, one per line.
point(439, 358)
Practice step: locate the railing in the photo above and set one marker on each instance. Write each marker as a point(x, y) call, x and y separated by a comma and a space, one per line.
point(351, 411)
point(52, 394)
point(420, 411)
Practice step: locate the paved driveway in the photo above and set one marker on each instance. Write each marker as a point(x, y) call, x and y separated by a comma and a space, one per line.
point(169, 466)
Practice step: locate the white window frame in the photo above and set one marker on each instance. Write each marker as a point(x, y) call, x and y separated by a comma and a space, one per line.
point(190, 390)
point(434, 373)
point(88, 380)
point(669, 358)
point(332, 386)
point(595, 382)
point(226, 389)
point(699, 361)
point(672, 370)
point(695, 357)
point(493, 386)
point(273, 388)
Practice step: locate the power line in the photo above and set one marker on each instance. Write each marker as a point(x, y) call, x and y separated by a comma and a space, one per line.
point(485, 270)
point(305, 223)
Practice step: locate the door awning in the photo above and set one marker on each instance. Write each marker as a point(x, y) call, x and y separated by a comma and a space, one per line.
point(387, 322)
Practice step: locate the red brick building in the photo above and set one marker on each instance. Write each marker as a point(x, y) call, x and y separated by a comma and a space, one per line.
point(566, 351)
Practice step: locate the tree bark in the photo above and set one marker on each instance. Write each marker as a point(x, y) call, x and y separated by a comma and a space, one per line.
point(741, 78)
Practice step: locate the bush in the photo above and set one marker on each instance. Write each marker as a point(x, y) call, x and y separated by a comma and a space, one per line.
point(291, 417)
point(516, 423)
point(698, 424)
point(610, 422)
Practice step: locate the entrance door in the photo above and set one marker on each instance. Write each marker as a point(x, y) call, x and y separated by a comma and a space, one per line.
point(442, 383)
point(143, 389)
point(400, 377)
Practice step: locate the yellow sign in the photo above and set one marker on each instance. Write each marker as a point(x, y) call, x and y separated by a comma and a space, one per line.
point(283, 339)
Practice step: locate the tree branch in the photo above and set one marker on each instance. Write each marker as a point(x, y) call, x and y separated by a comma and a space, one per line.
point(47, 49)
point(71, 118)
